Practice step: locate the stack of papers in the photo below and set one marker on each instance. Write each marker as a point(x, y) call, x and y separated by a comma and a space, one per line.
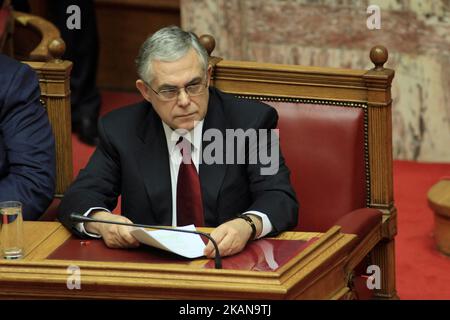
point(188, 245)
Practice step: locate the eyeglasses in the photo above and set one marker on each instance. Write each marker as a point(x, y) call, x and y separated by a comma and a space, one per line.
point(191, 90)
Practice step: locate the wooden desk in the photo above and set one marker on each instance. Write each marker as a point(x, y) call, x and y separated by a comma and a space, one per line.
point(316, 272)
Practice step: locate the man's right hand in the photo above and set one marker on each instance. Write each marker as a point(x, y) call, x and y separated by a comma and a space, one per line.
point(115, 236)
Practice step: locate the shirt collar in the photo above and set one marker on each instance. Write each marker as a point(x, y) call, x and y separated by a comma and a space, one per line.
point(194, 136)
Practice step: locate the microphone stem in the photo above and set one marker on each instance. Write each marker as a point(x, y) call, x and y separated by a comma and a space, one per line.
point(217, 257)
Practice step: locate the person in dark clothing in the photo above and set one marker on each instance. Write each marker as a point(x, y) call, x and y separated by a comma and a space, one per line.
point(27, 146)
point(82, 48)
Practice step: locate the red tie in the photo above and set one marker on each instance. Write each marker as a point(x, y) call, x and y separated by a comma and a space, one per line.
point(189, 195)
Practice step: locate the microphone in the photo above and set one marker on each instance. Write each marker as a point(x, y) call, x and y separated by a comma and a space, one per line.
point(76, 217)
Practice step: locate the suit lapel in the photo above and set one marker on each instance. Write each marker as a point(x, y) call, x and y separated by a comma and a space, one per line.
point(212, 175)
point(153, 163)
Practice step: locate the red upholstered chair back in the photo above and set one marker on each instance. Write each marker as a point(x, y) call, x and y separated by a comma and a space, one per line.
point(323, 146)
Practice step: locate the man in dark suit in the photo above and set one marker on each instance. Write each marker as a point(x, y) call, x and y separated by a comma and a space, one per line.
point(143, 150)
point(27, 147)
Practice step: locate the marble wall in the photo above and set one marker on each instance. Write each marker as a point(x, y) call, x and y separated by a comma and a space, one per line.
point(334, 33)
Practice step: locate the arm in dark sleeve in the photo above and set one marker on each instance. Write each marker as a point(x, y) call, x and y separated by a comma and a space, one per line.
point(272, 192)
point(97, 185)
point(27, 138)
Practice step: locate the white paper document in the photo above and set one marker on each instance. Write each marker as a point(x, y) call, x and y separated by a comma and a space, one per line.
point(188, 245)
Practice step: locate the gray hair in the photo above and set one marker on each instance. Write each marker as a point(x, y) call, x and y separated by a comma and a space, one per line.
point(168, 44)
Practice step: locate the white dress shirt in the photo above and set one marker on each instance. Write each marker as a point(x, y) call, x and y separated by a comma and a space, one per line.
point(195, 138)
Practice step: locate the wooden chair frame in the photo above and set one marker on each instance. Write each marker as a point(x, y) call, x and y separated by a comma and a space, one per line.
point(367, 89)
point(44, 57)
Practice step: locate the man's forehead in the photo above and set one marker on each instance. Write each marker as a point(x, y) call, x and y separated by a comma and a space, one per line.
point(180, 79)
point(186, 68)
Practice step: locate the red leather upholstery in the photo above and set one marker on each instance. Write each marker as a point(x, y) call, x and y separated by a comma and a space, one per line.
point(253, 258)
point(323, 147)
point(360, 221)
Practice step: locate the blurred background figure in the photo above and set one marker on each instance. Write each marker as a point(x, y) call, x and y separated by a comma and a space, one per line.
point(82, 49)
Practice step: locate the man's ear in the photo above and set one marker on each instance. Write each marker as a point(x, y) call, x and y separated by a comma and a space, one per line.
point(142, 87)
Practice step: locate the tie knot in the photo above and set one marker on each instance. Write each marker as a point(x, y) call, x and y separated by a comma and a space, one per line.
point(185, 146)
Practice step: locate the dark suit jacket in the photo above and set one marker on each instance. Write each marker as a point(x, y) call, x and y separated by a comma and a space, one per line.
point(132, 160)
point(27, 147)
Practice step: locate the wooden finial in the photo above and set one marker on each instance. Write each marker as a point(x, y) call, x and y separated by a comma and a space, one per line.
point(208, 42)
point(379, 55)
point(56, 47)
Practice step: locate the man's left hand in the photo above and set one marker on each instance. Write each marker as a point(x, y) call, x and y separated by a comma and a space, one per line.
point(231, 237)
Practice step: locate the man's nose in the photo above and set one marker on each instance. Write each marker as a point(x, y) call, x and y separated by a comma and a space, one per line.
point(183, 98)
